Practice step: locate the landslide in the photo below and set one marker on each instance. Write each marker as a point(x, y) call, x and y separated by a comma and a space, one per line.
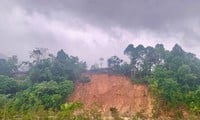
point(113, 91)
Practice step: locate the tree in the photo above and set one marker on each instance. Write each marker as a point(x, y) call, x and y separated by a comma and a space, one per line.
point(49, 95)
point(38, 54)
point(67, 67)
point(177, 50)
point(4, 68)
point(8, 67)
point(144, 59)
point(171, 92)
point(41, 71)
point(114, 61)
point(62, 56)
point(185, 77)
point(128, 50)
point(12, 61)
point(8, 85)
point(177, 79)
point(164, 82)
point(94, 67)
point(57, 68)
point(132, 53)
point(160, 50)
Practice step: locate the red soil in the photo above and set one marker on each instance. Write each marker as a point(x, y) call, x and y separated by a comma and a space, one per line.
point(113, 91)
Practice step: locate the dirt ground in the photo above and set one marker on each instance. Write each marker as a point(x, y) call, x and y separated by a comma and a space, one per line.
point(113, 91)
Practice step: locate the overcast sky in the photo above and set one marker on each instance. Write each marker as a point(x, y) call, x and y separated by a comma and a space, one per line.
point(92, 29)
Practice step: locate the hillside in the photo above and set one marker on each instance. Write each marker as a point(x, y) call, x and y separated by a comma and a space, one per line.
point(172, 77)
point(113, 91)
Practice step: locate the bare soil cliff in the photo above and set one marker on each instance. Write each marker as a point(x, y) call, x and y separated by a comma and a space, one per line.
point(113, 91)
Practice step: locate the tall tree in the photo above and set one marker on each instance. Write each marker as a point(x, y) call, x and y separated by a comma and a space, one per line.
point(8, 67)
point(114, 61)
point(38, 54)
point(144, 59)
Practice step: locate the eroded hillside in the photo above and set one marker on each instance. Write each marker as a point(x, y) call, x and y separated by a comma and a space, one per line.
point(113, 91)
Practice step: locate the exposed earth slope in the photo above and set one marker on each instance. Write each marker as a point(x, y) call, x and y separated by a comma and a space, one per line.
point(113, 91)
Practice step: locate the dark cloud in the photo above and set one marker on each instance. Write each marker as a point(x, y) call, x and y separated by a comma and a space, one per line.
point(100, 28)
point(126, 13)
point(166, 17)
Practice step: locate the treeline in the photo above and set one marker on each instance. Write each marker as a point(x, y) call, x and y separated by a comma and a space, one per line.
point(173, 76)
point(48, 81)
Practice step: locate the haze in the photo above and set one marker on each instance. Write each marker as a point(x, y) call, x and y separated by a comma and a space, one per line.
point(92, 29)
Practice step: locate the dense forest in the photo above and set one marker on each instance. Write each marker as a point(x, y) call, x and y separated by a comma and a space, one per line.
point(46, 85)
point(42, 89)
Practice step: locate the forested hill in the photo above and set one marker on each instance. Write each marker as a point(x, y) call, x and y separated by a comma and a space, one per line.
point(173, 78)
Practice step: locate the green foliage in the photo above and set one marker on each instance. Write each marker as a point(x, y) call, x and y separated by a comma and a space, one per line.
point(38, 54)
point(75, 111)
point(67, 67)
point(41, 71)
point(125, 69)
point(185, 75)
point(8, 67)
point(139, 116)
point(45, 88)
point(173, 76)
point(194, 100)
point(8, 85)
point(118, 66)
point(177, 80)
point(58, 69)
point(115, 113)
point(170, 90)
point(67, 111)
point(3, 100)
point(144, 59)
point(46, 94)
point(163, 83)
point(72, 106)
point(143, 80)
point(114, 62)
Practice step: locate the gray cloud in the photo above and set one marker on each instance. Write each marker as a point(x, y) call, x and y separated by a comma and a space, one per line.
point(97, 28)
point(130, 13)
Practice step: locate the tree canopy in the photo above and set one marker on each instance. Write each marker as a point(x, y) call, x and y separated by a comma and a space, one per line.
point(172, 75)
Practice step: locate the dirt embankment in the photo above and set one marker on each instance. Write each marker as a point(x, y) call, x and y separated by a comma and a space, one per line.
point(113, 91)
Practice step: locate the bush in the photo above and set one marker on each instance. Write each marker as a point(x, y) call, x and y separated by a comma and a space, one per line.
point(3, 100)
point(84, 79)
point(115, 113)
point(8, 85)
point(49, 95)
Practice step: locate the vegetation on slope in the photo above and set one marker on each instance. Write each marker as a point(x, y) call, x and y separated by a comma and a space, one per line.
point(49, 81)
point(172, 76)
